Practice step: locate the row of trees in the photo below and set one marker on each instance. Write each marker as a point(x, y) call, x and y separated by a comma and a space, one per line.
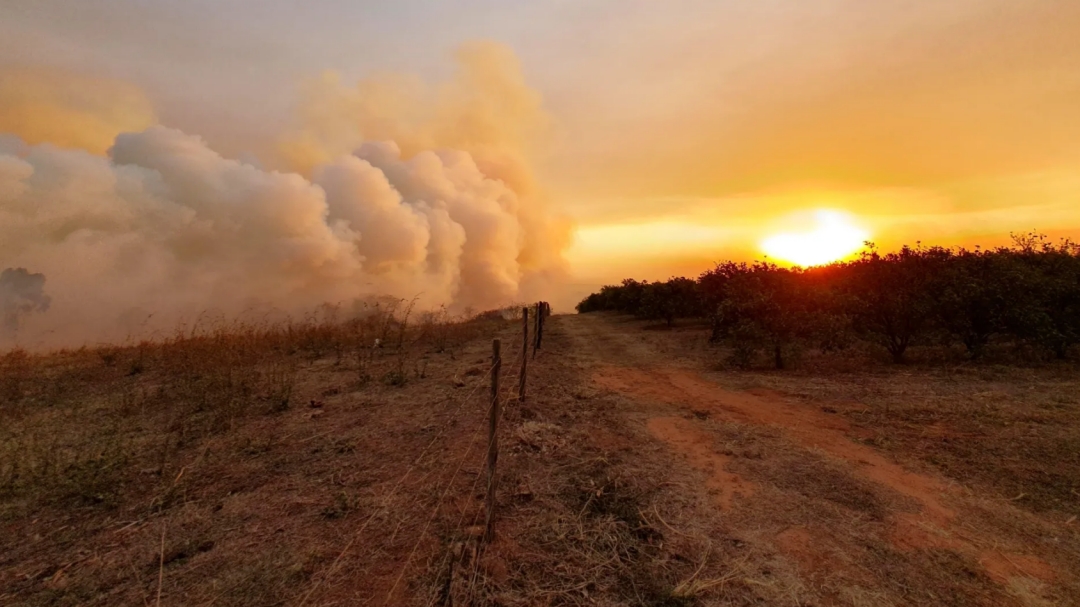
point(1024, 294)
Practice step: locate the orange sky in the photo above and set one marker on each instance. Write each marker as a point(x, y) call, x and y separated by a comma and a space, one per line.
point(952, 124)
point(671, 134)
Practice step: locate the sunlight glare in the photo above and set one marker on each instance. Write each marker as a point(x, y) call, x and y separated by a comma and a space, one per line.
point(833, 238)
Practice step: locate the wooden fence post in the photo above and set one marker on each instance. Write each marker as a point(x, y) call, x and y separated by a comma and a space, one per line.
point(524, 352)
point(493, 445)
point(540, 316)
point(536, 332)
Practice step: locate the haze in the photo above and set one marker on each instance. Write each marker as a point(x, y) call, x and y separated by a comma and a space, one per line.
point(634, 138)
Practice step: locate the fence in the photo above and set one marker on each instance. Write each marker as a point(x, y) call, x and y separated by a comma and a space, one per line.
point(495, 411)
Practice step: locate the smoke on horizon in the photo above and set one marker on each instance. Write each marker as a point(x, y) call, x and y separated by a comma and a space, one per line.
point(439, 205)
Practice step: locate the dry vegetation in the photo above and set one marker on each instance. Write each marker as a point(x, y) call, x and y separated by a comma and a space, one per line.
point(1001, 443)
point(299, 465)
point(246, 445)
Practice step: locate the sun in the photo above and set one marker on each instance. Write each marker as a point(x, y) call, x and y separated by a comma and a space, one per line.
point(832, 237)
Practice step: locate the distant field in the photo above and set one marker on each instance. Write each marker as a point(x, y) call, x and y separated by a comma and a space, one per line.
point(304, 466)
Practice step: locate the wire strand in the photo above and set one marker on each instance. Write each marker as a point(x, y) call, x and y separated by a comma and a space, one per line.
point(503, 397)
point(397, 485)
point(393, 491)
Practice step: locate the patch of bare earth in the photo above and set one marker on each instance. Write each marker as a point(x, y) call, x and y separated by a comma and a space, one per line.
point(696, 446)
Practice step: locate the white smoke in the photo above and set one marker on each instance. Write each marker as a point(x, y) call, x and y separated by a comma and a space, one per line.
point(165, 228)
point(389, 188)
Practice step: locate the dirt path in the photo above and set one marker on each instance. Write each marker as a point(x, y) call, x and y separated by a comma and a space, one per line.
point(917, 519)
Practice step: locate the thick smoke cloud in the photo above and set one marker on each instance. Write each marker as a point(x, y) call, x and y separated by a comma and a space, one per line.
point(163, 228)
point(21, 294)
point(485, 109)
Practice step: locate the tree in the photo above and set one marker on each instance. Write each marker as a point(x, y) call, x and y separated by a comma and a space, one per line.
point(713, 289)
point(972, 295)
point(672, 299)
point(890, 297)
point(1046, 310)
point(1029, 293)
point(765, 306)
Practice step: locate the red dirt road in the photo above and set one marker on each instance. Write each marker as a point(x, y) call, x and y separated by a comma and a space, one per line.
point(925, 513)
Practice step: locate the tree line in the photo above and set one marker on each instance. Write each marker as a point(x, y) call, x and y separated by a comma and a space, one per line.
point(1024, 296)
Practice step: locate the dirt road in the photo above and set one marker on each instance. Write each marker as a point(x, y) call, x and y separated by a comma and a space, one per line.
point(840, 521)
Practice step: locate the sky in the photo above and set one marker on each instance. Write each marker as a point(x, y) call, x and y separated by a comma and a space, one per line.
point(668, 134)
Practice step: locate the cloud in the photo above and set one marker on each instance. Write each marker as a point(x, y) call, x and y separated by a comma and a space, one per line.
point(70, 110)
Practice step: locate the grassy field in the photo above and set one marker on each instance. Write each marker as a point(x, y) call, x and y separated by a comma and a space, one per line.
point(303, 465)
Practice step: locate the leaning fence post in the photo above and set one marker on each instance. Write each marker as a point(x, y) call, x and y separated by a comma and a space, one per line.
point(493, 445)
point(524, 352)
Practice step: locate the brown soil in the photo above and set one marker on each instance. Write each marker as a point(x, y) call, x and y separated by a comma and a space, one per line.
point(927, 513)
point(805, 547)
point(635, 473)
point(696, 446)
point(810, 428)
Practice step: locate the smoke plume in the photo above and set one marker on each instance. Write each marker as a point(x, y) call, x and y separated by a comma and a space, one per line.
point(485, 109)
point(163, 228)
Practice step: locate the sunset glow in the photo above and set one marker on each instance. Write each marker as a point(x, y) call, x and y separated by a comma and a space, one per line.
point(834, 237)
point(485, 153)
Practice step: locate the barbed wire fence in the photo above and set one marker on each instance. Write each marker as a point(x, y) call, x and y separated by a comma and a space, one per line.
point(501, 394)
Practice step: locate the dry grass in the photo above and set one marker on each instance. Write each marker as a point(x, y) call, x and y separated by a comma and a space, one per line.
point(248, 442)
point(592, 513)
point(299, 465)
point(816, 530)
point(1009, 426)
point(1012, 431)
